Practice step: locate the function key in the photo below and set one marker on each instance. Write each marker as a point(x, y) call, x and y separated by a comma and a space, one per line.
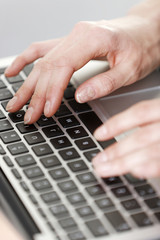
point(85, 143)
point(43, 149)
point(96, 228)
point(77, 166)
point(42, 184)
point(120, 192)
point(26, 128)
point(86, 178)
point(69, 154)
point(77, 132)
point(104, 203)
point(44, 121)
point(112, 181)
point(145, 190)
point(76, 198)
point(69, 93)
point(16, 173)
point(17, 148)
point(2, 116)
point(117, 221)
point(61, 142)
point(133, 180)
point(5, 125)
point(131, 204)
point(141, 219)
point(33, 172)
point(34, 138)
point(2, 151)
point(69, 121)
point(51, 161)
point(5, 94)
point(52, 131)
point(8, 161)
point(25, 160)
point(24, 186)
point(79, 107)
point(33, 199)
point(91, 154)
point(17, 116)
point(153, 203)
point(62, 111)
point(50, 197)
point(28, 68)
point(9, 137)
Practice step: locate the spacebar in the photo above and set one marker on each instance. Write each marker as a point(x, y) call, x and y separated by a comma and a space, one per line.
point(92, 121)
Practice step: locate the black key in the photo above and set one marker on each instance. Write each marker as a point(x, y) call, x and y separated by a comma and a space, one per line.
point(67, 186)
point(79, 107)
point(15, 79)
point(96, 228)
point(4, 104)
point(68, 223)
point(69, 93)
point(8, 161)
point(141, 219)
point(50, 197)
point(5, 125)
point(76, 198)
point(77, 132)
point(26, 128)
point(145, 190)
point(43, 184)
point(41, 150)
point(91, 154)
point(2, 151)
point(61, 142)
point(153, 203)
point(62, 111)
point(33, 172)
point(28, 68)
point(44, 121)
point(50, 161)
point(17, 116)
point(2, 85)
point(120, 192)
point(17, 148)
point(2, 69)
point(33, 199)
point(34, 138)
point(25, 160)
point(16, 173)
point(69, 85)
point(85, 143)
point(131, 204)
point(133, 180)
point(52, 131)
point(105, 144)
point(77, 166)
point(76, 236)
point(58, 173)
point(42, 212)
point(85, 211)
point(16, 86)
point(60, 211)
point(117, 221)
point(157, 214)
point(112, 181)
point(69, 121)
point(69, 154)
point(86, 178)
point(95, 190)
point(104, 203)
point(2, 116)
point(24, 186)
point(9, 137)
point(5, 94)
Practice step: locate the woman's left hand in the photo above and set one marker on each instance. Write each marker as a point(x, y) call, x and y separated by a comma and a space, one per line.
point(138, 153)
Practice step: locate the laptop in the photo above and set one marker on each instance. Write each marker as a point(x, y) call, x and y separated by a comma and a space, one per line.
point(49, 189)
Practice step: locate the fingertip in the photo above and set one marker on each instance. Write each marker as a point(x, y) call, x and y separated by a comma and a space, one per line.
point(101, 132)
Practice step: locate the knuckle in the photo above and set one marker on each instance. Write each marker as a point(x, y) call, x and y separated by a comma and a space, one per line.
point(35, 48)
point(37, 97)
point(81, 25)
point(108, 83)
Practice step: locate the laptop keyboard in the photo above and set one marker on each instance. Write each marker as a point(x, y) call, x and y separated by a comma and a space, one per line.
point(51, 162)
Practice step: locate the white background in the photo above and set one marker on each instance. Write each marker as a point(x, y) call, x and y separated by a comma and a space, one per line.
point(25, 21)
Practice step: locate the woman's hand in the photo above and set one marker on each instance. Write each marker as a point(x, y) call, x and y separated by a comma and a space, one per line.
point(120, 41)
point(138, 153)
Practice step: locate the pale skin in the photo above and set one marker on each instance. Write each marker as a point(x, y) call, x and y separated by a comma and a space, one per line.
point(132, 47)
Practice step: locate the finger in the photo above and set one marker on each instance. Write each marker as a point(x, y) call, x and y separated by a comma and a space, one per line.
point(143, 137)
point(139, 162)
point(25, 92)
point(33, 52)
point(139, 114)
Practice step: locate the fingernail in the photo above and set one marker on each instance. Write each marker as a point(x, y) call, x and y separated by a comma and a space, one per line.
point(47, 108)
point(85, 95)
point(7, 71)
point(11, 103)
point(28, 115)
point(100, 158)
point(100, 132)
